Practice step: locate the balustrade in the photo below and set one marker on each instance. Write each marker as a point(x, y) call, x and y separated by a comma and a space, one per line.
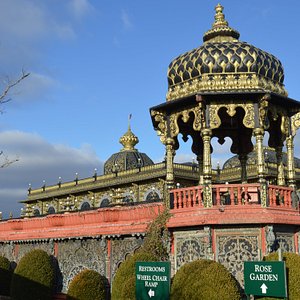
point(231, 194)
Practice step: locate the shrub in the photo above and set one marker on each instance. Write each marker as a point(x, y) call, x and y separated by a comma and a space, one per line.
point(88, 285)
point(292, 262)
point(33, 277)
point(5, 276)
point(157, 236)
point(205, 280)
point(153, 249)
point(123, 287)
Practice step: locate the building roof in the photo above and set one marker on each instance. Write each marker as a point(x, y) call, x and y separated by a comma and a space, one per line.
point(223, 63)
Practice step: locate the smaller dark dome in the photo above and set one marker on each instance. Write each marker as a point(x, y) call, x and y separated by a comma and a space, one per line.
point(270, 157)
point(128, 158)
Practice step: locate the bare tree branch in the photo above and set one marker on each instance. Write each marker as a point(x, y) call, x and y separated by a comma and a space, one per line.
point(10, 85)
point(6, 161)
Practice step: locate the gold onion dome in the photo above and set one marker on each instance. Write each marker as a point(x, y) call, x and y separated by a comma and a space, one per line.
point(128, 157)
point(224, 64)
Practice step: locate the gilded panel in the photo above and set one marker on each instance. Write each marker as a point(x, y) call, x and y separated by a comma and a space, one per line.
point(295, 122)
point(190, 246)
point(120, 249)
point(232, 249)
point(286, 241)
point(47, 246)
point(77, 255)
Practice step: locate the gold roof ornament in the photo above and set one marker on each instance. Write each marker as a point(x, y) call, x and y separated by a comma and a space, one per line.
point(129, 140)
point(220, 30)
point(128, 157)
point(224, 64)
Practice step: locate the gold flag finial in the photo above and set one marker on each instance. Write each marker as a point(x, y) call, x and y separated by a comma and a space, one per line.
point(129, 119)
point(219, 17)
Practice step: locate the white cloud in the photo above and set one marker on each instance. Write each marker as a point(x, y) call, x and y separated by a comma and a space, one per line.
point(38, 161)
point(30, 20)
point(126, 20)
point(80, 8)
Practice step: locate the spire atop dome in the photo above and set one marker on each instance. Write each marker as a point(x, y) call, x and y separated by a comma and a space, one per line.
point(220, 30)
point(129, 139)
point(219, 17)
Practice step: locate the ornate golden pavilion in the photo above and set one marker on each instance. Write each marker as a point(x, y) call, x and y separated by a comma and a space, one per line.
point(228, 88)
point(224, 88)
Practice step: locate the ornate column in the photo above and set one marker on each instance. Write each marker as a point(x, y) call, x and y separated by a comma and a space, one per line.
point(259, 135)
point(280, 168)
point(206, 136)
point(170, 153)
point(290, 161)
point(243, 161)
point(207, 169)
point(200, 164)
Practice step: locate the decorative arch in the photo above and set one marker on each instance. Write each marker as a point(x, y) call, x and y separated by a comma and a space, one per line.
point(104, 202)
point(85, 205)
point(36, 212)
point(51, 210)
point(152, 195)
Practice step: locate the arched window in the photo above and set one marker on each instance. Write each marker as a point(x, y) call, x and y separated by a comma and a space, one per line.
point(36, 212)
point(152, 196)
point(51, 210)
point(85, 206)
point(104, 202)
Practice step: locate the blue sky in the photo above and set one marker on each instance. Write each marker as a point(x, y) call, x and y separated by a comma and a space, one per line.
point(92, 63)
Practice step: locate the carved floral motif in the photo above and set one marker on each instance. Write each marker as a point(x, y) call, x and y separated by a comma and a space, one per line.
point(233, 250)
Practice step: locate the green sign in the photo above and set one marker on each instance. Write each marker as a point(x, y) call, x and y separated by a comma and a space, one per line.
point(265, 278)
point(152, 280)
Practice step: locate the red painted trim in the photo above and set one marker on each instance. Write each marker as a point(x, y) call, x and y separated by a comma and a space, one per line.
point(55, 249)
point(296, 242)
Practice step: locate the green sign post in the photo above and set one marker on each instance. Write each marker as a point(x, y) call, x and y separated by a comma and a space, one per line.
point(152, 280)
point(265, 278)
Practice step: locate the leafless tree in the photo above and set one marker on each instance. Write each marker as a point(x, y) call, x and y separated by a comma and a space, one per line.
point(4, 98)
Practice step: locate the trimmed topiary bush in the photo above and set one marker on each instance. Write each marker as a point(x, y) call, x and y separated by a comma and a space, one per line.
point(292, 262)
point(157, 236)
point(205, 280)
point(153, 249)
point(88, 285)
point(5, 276)
point(123, 287)
point(33, 277)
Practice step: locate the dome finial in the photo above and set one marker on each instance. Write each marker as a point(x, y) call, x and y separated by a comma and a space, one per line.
point(219, 17)
point(220, 31)
point(129, 140)
point(129, 118)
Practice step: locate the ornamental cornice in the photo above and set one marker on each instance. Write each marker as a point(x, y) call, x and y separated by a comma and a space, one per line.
point(241, 82)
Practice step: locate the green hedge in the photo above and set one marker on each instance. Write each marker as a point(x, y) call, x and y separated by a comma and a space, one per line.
point(33, 277)
point(153, 249)
point(88, 285)
point(292, 261)
point(123, 287)
point(205, 280)
point(5, 276)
